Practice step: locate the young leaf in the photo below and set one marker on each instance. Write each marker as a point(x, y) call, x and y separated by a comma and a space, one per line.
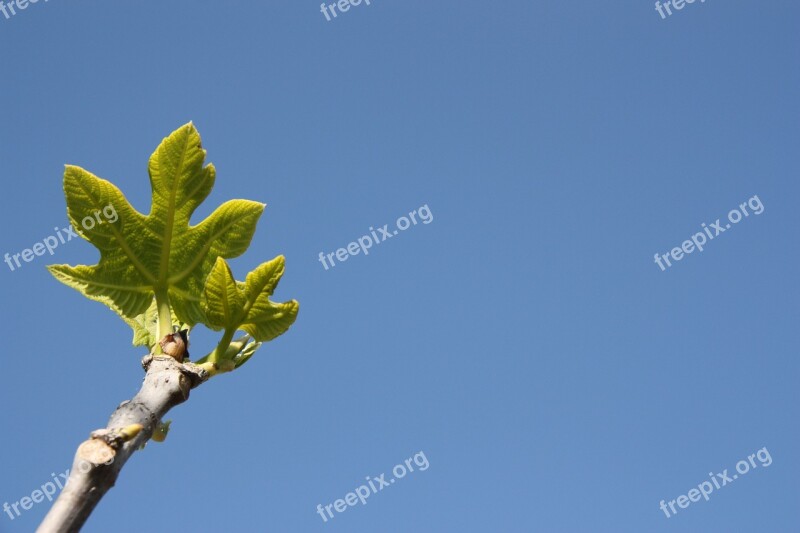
point(234, 350)
point(160, 253)
point(145, 326)
point(232, 305)
point(221, 288)
point(244, 355)
point(265, 319)
point(237, 354)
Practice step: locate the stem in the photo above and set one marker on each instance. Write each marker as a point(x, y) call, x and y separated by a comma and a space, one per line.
point(223, 345)
point(97, 465)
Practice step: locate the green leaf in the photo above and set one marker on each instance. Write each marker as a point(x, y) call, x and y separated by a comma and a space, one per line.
point(232, 305)
point(159, 253)
point(234, 350)
point(265, 319)
point(221, 288)
point(145, 326)
point(238, 353)
point(244, 355)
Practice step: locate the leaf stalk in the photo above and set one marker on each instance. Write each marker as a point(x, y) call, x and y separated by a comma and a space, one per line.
point(223, 345)
point(164, 313)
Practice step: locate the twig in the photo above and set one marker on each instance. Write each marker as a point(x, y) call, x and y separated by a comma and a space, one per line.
point(99, 460)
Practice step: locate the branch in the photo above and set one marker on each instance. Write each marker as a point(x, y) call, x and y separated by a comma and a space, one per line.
point(100, 459)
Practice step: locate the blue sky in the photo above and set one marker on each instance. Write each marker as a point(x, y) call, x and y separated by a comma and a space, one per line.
point(524, 340)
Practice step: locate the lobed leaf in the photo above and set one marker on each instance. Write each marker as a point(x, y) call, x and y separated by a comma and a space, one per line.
point(143, 254)
point(232, 305)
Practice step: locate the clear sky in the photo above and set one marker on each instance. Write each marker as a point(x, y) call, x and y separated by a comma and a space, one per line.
point(524, 340)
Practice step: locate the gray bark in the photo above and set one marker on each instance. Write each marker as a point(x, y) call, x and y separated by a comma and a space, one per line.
point(99, 460)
